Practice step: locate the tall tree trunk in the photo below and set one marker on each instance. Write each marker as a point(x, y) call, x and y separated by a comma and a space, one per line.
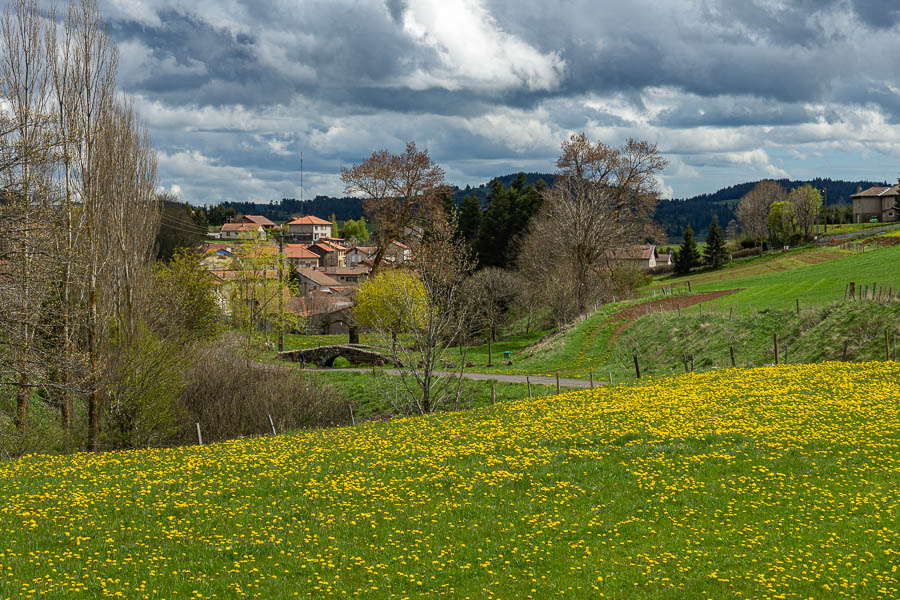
point(94, 377)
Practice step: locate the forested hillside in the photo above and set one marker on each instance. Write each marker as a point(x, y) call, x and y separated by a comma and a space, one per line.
point(674, 215)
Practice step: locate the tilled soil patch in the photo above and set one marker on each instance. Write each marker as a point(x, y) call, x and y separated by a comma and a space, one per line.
point(632, 313)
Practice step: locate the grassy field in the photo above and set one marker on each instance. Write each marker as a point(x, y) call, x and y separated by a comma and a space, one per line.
point(814, 277)
point(762, 483)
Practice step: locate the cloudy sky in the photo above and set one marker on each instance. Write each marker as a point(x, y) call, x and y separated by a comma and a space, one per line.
point(730, 90)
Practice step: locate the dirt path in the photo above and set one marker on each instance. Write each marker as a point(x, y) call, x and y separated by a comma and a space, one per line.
point(625, 317)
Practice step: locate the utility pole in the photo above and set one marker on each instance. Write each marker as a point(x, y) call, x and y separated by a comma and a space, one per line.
point(825, 208)
point(280, 291)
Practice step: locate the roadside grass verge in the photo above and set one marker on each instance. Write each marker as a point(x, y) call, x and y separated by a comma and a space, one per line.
point(364, 391)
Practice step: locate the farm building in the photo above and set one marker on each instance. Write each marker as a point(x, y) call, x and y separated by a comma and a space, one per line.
point(876, 203)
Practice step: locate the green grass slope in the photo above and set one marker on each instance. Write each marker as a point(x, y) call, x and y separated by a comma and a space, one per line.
point(814, 284)
point(765, 483)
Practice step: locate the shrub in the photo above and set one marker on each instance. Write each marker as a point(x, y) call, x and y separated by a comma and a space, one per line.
point(746, 252)
point(231, 396)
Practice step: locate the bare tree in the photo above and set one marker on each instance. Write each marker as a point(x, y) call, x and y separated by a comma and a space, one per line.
point(432, 314)
point(26, 211)
point(95, 61)
point(753, 209)
point(402, 192)
point(807, 202)
point(602, 200)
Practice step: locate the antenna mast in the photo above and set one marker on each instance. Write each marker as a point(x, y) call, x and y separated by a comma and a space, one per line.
point(301, 177)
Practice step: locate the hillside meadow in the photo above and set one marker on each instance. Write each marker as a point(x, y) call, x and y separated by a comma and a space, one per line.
point(814, 277)
point(775, 482)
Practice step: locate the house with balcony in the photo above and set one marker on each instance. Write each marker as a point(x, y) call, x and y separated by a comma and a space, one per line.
point(308, 230)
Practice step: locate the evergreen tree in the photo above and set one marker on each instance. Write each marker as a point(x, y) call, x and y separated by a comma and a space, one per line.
point(505, 219)
point(715, 245)
point(470, 219)
point(492, 233)
point(687, 257)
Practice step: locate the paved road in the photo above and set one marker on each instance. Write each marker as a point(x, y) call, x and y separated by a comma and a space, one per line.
point(825, 238)
point(535, 379)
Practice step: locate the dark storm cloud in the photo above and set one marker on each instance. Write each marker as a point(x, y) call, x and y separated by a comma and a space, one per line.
point(237, 88)
point(881, 14)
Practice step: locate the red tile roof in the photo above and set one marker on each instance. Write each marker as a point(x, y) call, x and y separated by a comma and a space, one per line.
point(299, 251)
point(310, 220)
point(241, 227)
point(317, 277)
point(259, 220)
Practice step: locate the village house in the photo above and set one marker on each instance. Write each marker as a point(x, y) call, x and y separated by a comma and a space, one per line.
point(259, 220)
point(643, 257)
point(308, 230)
point(315, 280)
point(328, 313)
point(352, 275)
point(231, 282)
point(300, 256)
point(876, 203)
point(242, 231)
point(397, 253)
point(359, 254)
point(330, 254)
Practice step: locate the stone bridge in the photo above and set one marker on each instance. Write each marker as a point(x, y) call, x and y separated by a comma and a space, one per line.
point(324, 356)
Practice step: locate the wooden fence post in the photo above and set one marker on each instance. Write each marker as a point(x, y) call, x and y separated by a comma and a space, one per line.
point(731, 348)
point(610, 378)
point(775, 343)
point(557, 383)
point(887, 353)
point(637, 366)
point(528, 381)
point(493, 394)
point(199, 435)
point(797, 300)
point(272, 423)
point(592, 380)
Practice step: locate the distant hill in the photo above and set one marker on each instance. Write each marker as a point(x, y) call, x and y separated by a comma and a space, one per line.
point(674, 215)
point(288, 208)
